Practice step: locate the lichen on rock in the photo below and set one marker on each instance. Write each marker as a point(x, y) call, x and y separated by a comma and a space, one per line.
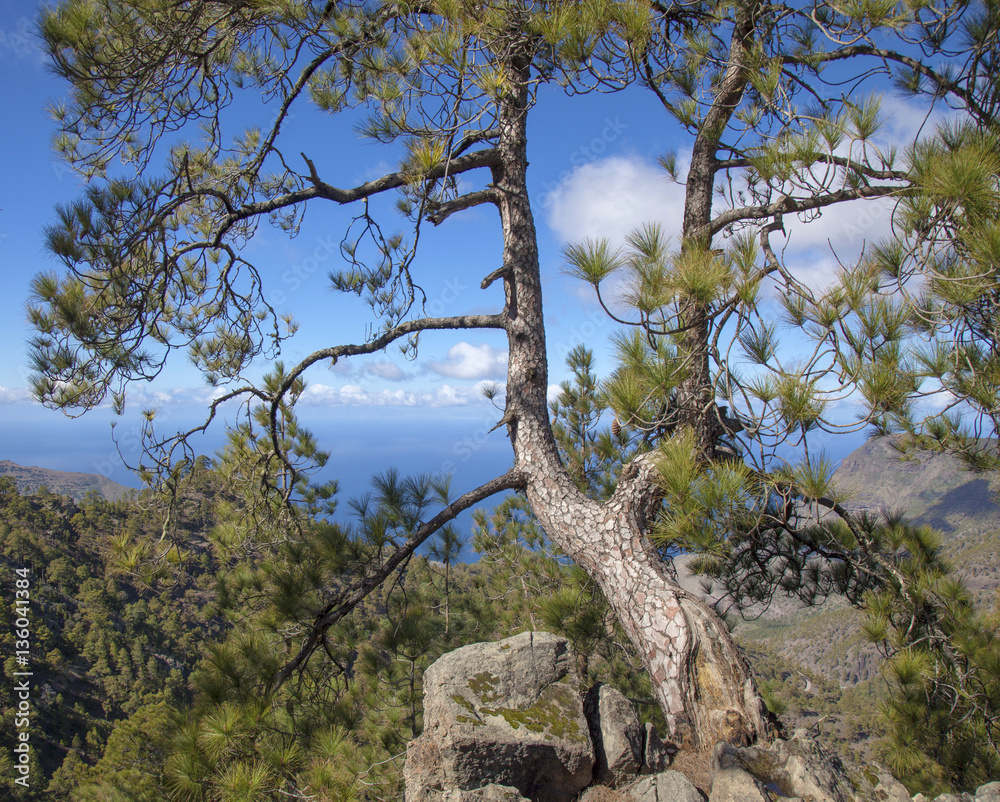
point(505, 714)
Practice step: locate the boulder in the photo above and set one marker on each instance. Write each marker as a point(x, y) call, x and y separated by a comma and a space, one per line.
point(506, 714)
point(601, 793)
point(733, 784)
point(668, 786)
point(803, 768)
point(725, 756)
point(489, 793)
point(888, 788)
point(988, 793)
point(799, 768)
point(617, 734)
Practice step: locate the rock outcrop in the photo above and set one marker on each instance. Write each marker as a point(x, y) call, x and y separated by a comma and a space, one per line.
point(489, 793)
point(504, 722)
point(799, 768)
point(623, 746)
point(667, 786)
point(505, 714)
point(617, 735)
point(985, 793)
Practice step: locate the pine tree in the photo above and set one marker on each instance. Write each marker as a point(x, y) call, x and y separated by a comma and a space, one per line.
point(154, 261)
point(943, 667)
point(446, 548)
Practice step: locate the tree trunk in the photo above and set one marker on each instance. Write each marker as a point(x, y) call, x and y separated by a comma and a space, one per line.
point(703, 685)
point(702, 682)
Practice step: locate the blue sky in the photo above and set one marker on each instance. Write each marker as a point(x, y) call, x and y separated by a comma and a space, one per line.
point(592, 173)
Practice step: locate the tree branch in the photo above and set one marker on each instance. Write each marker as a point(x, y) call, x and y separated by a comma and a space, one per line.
point(459, 164)
point(396, 332)
point(351, 597)
point(319, 189)
point(442, 211)
point(638, 489)
point(942, 82)
point(379, 343)
point(786, 205)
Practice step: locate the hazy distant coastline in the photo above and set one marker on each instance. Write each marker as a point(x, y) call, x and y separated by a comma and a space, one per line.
point(66, 483)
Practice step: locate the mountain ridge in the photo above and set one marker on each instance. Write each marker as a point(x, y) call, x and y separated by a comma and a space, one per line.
point(74, 484)
point(934, 490)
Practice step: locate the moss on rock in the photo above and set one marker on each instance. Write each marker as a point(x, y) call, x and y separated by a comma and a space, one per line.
point(553, 714)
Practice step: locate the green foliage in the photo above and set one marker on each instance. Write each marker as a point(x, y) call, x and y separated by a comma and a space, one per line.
point(131, 768)
point(592, 451)
point(339, 725)
point(911, 327)
point(775, 704)
point(914, 320)
point(104, 645)
point(702, 503)
point(943, 667)
point(844, 719)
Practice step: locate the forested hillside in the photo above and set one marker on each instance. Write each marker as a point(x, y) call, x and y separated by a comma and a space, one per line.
point(103, 646)
point(148, 689)
point(935, 490)
point(146, 684)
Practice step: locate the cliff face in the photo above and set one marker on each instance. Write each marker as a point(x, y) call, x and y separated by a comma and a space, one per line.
point(66, 483)
point(937, 491)
point(933, 489)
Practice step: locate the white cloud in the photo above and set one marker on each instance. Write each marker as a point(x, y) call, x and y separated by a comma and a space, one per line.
point(200, 396)
point(906, 119)
point(611, 197)
point(841, 232)
point(938, 402)
point(352, 395)
point(554, 393)
point(816, 269)
point(343, 367)
point(467, 361)
point(15, 395)
point(19, 42)
point(385, 370)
